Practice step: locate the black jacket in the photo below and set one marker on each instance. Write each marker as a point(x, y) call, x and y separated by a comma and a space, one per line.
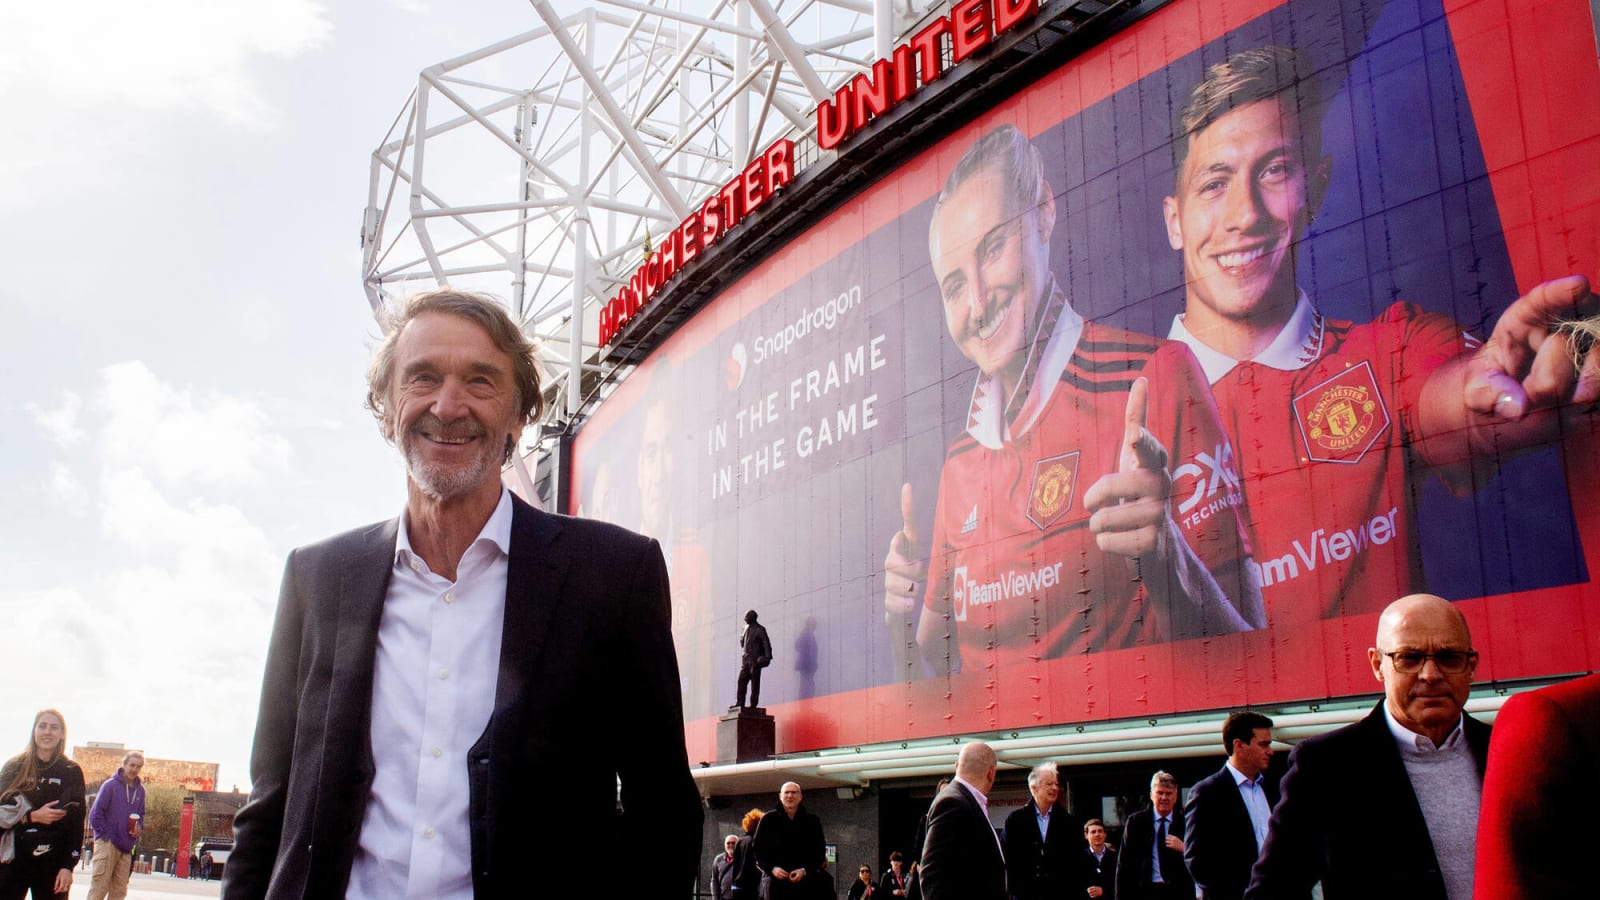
point(1134, 865)
point(961, 857)
point(1043, 869)
point(1342, 789)
point(60, 782)
point(1220, 846)
point(587, 616)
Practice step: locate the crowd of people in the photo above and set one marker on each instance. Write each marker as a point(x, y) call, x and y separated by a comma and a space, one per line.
point(1459, 815)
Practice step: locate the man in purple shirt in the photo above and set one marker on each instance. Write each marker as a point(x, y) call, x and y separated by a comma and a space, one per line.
point(117, 819)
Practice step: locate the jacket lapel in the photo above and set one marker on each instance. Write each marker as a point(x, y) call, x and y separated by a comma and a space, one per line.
point(533, 581)
point(362, 587)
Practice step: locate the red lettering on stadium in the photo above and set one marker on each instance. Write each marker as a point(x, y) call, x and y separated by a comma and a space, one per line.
point(694, 235)
point(970, 26)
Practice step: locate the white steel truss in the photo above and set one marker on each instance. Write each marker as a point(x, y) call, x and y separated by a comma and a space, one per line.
point(538, 168)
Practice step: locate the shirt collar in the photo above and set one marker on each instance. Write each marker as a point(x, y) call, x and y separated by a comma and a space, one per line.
point(1297, 345)
point(1240, 780)
point(983, 799)
point(496, 531)
point(1420, 743)
point(992, 418)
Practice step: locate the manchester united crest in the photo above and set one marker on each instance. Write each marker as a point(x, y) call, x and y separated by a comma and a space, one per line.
point(1341, 418)
point(1051, 494)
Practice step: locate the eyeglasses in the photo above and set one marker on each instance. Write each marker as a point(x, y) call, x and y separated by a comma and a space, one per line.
point(1450, 662)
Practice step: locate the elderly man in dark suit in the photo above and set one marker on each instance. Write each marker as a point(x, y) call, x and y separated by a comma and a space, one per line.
point(1043, 842)
point(428, 715)
point(961, 858)
point(1227, 813)
point(1150, 865)
point(1406, 778)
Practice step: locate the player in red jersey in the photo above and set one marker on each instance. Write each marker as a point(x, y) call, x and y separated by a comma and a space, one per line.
point(1333, 420)
point(1058, 527)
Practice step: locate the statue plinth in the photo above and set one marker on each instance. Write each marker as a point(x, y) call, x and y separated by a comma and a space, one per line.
point(746, 734)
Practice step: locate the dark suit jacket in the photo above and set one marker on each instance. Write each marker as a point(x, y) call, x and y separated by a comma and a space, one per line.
point(961, 856)
point(1101, 873)
point(1541, 781)
point(587, 618)
point(1038, 869)
point(1134, 863)
point(724, 870)
point(784, 843)
point(1220, 842)
point(1347, 792)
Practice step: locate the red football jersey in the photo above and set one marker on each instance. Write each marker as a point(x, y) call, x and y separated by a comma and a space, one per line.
point(1013, 559)
point(1322, 421)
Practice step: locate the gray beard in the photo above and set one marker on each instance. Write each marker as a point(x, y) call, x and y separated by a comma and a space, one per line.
point(445, 483)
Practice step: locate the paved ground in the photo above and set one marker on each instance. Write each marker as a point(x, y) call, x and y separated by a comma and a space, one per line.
point(150, 887)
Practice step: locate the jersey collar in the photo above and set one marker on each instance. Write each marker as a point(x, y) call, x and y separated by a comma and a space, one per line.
point(992, 419)
point(1297, 345)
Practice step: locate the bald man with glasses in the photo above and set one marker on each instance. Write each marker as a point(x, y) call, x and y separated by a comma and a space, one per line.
point(1388, 806)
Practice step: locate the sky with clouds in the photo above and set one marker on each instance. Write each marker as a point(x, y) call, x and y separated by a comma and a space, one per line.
point(185, 337)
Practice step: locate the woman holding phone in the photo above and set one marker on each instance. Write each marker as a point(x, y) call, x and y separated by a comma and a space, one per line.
point(46, 837)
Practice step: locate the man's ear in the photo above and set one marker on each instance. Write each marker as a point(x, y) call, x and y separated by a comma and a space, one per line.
point(1169, 212)
point(1376, 659)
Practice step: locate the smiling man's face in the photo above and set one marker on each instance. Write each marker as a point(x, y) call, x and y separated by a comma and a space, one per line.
point(452, 407)
point(1243, 200)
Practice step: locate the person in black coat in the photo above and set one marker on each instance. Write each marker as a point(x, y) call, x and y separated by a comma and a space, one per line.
point(725, 868)
point(1099, 861)
point(45, 790)
point(862, 888)
point(1227, 813)
point(1152, 834)
point(896, 881)
point(961, 859)
point(1043, 868)
point(789, 848)
point(1349, 790)
point(747, 875)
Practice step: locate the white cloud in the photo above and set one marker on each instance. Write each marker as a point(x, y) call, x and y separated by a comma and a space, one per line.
point(66, 486)
point(159, 54)
point(167, 431)
point(60, 425)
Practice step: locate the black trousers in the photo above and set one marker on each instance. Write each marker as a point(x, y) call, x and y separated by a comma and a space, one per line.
point(749, 675)
point(25, 873)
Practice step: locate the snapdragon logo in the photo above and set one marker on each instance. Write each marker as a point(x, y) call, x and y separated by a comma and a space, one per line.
point(822, 317)
point(1011, 584)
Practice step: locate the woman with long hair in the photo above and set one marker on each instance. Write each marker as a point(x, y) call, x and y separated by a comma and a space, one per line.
point(46, 838)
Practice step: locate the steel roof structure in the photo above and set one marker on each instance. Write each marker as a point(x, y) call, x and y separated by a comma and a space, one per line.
point(540, 168)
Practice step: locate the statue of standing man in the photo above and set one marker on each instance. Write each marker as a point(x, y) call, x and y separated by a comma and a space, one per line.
point(757, 656)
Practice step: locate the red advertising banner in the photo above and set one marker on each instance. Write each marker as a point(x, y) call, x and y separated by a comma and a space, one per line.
point(1144, 392)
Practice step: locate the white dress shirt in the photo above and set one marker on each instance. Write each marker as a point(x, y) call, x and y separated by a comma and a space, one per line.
point(1254, 793)
point(433, 685)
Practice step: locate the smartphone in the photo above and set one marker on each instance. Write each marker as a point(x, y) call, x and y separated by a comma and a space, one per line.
point(70, 805)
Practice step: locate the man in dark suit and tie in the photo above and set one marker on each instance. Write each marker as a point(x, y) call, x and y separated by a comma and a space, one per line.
point(432, 710)
point(1150, 864)
point(1406, 779)
point(1043, 843)
point(1227, 813)
point(961, 858)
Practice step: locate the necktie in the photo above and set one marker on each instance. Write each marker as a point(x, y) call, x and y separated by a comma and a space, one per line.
point(1161, 845)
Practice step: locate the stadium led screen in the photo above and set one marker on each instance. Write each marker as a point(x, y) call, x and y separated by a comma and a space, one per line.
point(979, 446)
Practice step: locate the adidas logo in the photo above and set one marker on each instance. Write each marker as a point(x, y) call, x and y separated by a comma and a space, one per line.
point(971, 523)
